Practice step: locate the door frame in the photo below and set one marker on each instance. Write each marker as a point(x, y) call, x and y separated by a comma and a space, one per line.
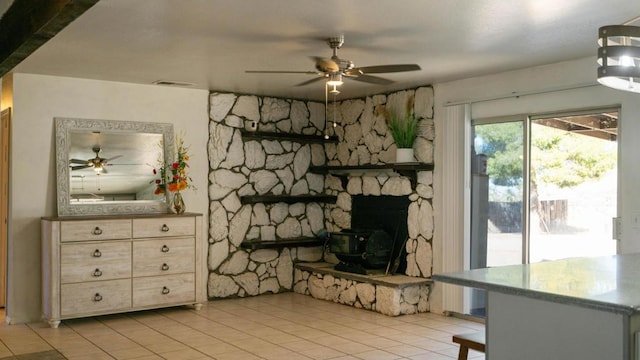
point(5, 129)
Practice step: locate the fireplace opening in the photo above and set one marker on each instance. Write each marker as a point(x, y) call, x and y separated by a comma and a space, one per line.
point(377, 237)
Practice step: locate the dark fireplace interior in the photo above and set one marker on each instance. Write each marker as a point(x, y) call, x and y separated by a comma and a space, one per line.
point(382, 222)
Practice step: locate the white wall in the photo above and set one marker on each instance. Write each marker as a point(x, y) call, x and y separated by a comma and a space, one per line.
point(538, 90)
point(36, 101)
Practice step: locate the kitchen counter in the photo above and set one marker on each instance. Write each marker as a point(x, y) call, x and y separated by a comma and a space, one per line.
point(610, 283)
point(580, 308)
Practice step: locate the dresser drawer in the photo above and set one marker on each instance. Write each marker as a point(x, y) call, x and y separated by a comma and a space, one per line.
point(164, 227)
point(170, 289)
point(163, 256)
point(82, 230)
point(95, 261)
point(95, 297)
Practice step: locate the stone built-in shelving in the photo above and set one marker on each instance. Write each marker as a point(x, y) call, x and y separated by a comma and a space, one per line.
point(280, 136)
point(288, 199)
point(301, 241)
point(409, 170)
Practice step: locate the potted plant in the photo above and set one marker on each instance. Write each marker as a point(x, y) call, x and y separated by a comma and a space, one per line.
point(403, 127)
point(174, 178)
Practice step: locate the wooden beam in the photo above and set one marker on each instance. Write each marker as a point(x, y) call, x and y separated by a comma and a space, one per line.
point(599, 126)
point(28, 24)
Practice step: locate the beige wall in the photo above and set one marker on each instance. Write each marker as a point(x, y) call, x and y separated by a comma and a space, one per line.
point(36, 101)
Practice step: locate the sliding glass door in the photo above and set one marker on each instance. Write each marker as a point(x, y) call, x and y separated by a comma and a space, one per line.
point(542, 188)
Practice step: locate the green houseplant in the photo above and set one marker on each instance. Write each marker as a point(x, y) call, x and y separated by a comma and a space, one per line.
point(403, 128)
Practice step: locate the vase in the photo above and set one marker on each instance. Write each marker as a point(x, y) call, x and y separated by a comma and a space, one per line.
point(178, 203)
point(404, 155)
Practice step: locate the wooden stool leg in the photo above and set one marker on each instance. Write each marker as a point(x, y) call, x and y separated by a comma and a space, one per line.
point(464, 352)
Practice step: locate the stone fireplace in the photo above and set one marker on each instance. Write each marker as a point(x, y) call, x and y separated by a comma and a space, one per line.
point(242, 167)
point(371, 215)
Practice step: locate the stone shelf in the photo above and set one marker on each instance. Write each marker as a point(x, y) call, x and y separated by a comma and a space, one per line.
point(409, 170)
point(282, 243)
point(301, 138)
point(289, 199)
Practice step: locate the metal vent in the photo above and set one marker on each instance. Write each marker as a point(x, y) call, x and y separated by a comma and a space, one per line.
point(172, 83)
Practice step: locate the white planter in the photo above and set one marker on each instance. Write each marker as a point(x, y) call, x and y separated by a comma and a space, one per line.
point(404, 155)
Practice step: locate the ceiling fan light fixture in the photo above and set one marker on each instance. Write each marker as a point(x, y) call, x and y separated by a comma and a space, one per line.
point(335, 80)
point(619, 57)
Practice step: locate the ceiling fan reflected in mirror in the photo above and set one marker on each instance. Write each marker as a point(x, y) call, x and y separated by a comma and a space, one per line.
point(98, 164)
point(335, 69)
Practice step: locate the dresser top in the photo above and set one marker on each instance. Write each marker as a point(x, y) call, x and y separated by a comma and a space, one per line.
point(608, 283)
point(117, 217)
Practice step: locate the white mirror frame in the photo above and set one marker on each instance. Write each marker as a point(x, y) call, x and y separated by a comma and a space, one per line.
point(65, 207)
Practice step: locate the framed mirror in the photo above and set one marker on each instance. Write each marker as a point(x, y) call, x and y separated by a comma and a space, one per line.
point(106, 167)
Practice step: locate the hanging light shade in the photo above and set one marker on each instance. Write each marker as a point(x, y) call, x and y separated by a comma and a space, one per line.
point(335, 80)
point(619, 57)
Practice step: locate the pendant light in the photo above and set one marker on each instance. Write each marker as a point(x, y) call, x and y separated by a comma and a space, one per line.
point(619, 57)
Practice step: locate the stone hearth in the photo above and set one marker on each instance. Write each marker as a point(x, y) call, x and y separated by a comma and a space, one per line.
point(391, 295)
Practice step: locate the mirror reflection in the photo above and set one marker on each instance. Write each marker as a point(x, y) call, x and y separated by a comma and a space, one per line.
point(106, 166)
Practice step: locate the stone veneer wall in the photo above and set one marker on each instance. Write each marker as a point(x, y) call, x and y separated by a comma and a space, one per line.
point(239, 168)
point(250, 167)
point(365, 139)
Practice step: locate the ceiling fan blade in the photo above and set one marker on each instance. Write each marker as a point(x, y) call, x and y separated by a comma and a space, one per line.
point(104, 161)
point(279, 72)
point(372, 79)
point(310, 81)
point(80, 167)
point(78, 161)
point(380, 69)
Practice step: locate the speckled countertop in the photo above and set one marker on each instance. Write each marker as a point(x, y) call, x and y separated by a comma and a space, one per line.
point(609, 283)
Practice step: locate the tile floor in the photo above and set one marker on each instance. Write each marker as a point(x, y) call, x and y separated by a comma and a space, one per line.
point(282, 326)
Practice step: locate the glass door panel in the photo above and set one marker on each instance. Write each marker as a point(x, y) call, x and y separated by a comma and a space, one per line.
point(573, 186)
point(496, 200)
point(497, 194)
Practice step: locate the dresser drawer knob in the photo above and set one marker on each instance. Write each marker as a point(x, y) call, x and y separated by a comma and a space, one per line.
point(165, 228)
point(97, 253)
point(97, 297)
point(97, 273)
point(97, 231)
point(165, 290)
point(165, 249)
point(165, 267)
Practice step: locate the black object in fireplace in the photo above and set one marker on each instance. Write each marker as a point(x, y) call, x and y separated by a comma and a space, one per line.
point(359, 250)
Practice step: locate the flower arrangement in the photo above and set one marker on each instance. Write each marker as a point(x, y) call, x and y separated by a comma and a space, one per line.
point(403, 129)
point(174, 177)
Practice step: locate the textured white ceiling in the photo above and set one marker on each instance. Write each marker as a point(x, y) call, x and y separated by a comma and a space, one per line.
point(212, 42)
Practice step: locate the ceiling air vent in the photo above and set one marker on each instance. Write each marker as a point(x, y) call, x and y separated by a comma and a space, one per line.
point(172, 83)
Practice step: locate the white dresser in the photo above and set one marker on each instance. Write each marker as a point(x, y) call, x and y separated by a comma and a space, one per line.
point(108, 264)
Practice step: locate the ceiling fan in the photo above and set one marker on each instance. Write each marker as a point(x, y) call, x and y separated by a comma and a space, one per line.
point(335, 69)
point(98, 164)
